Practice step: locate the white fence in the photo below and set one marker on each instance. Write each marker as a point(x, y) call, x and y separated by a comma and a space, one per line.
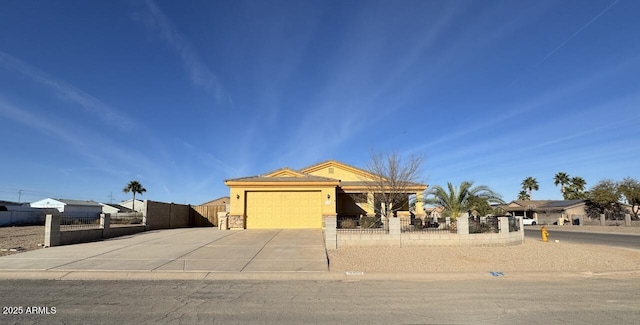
point(20, 218)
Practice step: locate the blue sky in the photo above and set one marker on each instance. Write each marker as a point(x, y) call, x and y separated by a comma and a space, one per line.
point(183, 95)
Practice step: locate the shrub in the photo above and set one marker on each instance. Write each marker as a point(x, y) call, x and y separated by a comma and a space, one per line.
point(348, 224)
point(369, 222)
point(417, 223)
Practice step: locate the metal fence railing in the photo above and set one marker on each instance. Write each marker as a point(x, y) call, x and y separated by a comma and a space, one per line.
point(514, 224)
point(126, 219)
point(483, 225)
point(79, 222)
point(357, 224)
point(429, 225)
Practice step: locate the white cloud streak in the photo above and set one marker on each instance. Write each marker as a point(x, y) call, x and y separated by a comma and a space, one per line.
point(199, 73)
point(68, 92)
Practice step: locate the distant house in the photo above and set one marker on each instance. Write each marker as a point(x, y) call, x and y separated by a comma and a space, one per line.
point(70, 207)
point(139, 205)
point(219, 201)
point(547, 211)
point(112, 208)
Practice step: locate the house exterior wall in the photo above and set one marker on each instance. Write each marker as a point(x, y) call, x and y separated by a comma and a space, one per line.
point(109, 209)
point(139, 205)
point(338, 173)
point(82, 210)
point(49, 203)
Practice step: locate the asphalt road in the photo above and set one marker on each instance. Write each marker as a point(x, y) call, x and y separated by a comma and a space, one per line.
point(618, 240)
point(499, 300)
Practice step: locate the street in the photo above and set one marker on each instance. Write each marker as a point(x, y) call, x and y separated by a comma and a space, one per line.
point(618, 240)
point(494, 300)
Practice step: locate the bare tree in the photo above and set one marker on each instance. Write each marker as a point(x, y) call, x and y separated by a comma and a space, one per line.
point(393, 180)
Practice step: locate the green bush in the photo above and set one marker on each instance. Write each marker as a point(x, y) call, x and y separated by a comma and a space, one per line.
point(348, 224)
point(369, 222)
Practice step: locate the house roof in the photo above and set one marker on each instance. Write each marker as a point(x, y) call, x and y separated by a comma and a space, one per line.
point(521, 205)
point(329, 163)
point(224, 199)
point(288, 175)
point(79, 202)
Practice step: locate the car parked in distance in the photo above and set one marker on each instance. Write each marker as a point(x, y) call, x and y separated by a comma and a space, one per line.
point(529, 222)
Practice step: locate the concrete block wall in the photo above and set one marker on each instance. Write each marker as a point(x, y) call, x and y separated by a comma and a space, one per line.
point(56, 237)
point(160, 215)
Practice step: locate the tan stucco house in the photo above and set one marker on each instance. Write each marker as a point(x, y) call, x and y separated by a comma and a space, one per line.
point(547, 211)
point(288, 198)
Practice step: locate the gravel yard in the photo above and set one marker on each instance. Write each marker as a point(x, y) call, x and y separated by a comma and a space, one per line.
point(20, 238)
point(532, 256)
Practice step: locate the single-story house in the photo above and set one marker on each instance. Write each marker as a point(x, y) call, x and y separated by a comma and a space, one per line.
point(112, 208)
point(288, 198)
point(547, 211)
point(70, 207)
point(139, 205)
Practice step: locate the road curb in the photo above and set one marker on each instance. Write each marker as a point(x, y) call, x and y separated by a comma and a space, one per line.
point(308, 276)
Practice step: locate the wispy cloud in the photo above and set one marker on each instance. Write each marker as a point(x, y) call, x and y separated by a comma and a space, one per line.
point(68, 92)
point(577, 32)
point(199, 73)
point(16, 114)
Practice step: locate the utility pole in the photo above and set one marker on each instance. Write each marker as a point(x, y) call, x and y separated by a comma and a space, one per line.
point(110, 196)
point(19, 195)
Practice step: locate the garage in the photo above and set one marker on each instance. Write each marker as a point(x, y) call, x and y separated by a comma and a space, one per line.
point(283, 209)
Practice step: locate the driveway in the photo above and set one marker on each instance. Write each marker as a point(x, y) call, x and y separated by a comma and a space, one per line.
point(185, 250)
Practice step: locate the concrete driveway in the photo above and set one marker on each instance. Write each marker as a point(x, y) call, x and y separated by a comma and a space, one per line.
point(185, 250)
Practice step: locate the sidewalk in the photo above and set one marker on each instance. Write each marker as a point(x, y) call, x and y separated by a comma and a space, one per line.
point(183, 250)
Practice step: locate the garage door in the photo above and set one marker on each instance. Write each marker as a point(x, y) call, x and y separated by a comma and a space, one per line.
point(283, 210)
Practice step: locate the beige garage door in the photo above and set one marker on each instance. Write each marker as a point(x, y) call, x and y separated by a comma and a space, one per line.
point(283, 210)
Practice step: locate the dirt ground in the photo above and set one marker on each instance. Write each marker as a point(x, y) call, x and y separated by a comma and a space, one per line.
point(20, 239)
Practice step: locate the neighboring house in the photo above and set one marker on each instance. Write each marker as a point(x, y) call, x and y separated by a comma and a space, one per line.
point(547, 211)
point(112, 208)
point(70, 207)
point(288, 198)
point(219, 201)
point(139, 205)
point(434, 212)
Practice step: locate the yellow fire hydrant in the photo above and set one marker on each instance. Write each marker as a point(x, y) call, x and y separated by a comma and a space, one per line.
point(544, 233)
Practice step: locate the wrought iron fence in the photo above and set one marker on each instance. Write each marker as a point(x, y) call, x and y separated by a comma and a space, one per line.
point(79, 222)
point(126, 219)
point(357, 224)
point(429, 225)
point(483, 225)
point(514, 225)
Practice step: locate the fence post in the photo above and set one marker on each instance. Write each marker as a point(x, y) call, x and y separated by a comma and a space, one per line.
point(52, 230)
point(105, 224)
point(395, 233)
point(627, 220)
point(222, 220)
point(463, 224)
point(504, 226)
point(603, 221)
point(330, 232)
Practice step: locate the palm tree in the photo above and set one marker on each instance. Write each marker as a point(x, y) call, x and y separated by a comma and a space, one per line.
point(455, 201)
point(575, 190)
point(563, 179)
point(578, 184)
point(530, 184)
point(134, 187)
point(523, 196)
